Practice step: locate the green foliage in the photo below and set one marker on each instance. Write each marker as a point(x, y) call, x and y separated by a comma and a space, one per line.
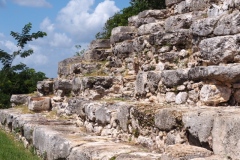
point(10, 149)
point(121, 18)
point(18, 79)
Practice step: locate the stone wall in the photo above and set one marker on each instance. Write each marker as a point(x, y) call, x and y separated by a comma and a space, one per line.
point(157, 81)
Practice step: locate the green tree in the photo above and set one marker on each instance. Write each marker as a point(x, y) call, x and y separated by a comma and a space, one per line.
point(18, 79)
point(121, 18)
point(79, 52)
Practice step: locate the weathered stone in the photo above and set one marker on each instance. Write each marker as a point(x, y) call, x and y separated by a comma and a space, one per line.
point(20, 99)
point(122, 36)
point(214, 94)
point(174, 23)
point(174, 77)
point(199, 124)
point(64, 67)
point(167, 119)
point(220, 49)
point(150, 28)
point(45, 87)
point(147, 82)
point(123, 49)
point(123, 29)
point(171, 2)
point(100, 44)
point(204, 27)
point(178, 38)
point(123, 115)
point(170, 97)
point(39, 104)
point(225, 135)
point(183, 7)
point(228, 24)
point(141, 80)
point(95, 54)
point(181, 98)
point(159, 14)
point(63, 84)
point(182, 152)
point(86, 67)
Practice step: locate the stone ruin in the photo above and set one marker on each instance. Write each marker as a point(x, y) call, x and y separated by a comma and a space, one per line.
point(167, 86)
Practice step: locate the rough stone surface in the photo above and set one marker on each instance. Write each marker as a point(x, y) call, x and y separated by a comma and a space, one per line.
point(167, 119)
point(39, 104)
point(214, 94)
point(179, 152)
point(19, 100)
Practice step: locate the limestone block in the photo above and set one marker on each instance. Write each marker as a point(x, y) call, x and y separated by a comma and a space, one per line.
point(123, 49)
point(37, 104)
point(19, 99)
point(76, 84)
point(158, 14)
point(181, 151)
point(63, 84)
point(123, 29)
point(174, 77)
point(50, 143)
point(183, 7)
point(95, 54)
point(147, 82)
point(167, 119)
point(178, 38)
point(170, 97)
point(100, 44)
point(226, 135)
point(140, 84)
point(150, 28)
point(123, 115)
point(132, 20)
point(90, 110)
point(214, 94)
point(64, 67)
point(204, 27)
point(102, 116)
point(174, 23)
point(45, 87)
point(171, 2)
point(228, 24)
point(199, 124)
point(222, 49)
point(122, 36)
point(181, 98)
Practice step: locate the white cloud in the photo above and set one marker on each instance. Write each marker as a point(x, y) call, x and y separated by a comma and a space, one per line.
point(8, 46)
point(47, 26)
point(60, 40)
point(78, 20)
point(33, 3)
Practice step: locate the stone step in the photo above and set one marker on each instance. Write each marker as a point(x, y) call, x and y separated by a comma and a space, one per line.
point(61, 139)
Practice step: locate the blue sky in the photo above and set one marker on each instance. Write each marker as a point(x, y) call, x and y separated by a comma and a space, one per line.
point(67, 23)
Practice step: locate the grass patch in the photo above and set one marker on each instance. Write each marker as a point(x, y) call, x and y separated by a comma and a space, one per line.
point(12, 149)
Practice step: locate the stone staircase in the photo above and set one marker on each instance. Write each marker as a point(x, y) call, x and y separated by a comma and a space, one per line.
point(164, 87)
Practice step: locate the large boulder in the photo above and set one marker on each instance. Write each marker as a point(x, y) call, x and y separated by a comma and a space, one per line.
point(45, 87)
point(228, 24)
point(174, 23)
point(19, 99)
point(38, 104)
point(216, 50)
